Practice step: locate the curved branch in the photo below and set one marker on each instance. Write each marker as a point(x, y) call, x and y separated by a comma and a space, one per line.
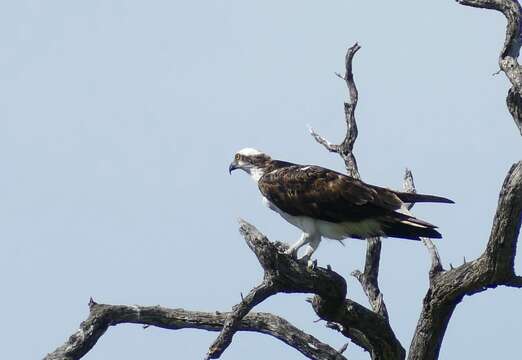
point(502, 245)
point(321, 140)
point(345, 149)
point(282, 274)
point(508, 56)
point(102, 316)
point(366, 328)
point(254, 297)
point(493, 268)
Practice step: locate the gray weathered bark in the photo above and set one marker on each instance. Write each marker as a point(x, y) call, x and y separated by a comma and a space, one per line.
point(508, 59)
point(493, 268)
point(102, 316)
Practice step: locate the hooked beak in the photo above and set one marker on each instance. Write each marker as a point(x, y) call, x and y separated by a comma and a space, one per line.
point(233, 166)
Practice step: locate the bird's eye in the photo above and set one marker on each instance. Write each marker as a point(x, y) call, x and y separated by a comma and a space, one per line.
point(237, 156)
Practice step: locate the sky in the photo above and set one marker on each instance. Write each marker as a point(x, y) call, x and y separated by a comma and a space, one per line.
point(118, 120)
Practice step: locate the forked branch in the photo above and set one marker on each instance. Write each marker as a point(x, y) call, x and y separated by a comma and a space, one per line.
point(281, 274)
point(345, 149)
point(508, 59)
point(369, 278)
point(493, 268)
point(364, 327)
point(102, 316)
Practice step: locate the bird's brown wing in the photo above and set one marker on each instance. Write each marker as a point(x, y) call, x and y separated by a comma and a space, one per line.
point(325, 194)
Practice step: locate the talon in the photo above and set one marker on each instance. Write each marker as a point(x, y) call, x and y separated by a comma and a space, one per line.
point(312, 264)
point(291, 253)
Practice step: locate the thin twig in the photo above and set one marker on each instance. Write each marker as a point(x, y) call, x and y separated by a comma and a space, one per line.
point(436, 264)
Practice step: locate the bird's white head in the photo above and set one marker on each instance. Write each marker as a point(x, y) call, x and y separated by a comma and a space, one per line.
point(251, 161)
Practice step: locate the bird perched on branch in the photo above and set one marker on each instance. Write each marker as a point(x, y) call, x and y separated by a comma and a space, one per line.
point(326, 203)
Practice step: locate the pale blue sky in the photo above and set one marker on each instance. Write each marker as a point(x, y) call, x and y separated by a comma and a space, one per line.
point(118, 120)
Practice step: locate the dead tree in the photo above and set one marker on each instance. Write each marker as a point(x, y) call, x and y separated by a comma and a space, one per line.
point(369, 328)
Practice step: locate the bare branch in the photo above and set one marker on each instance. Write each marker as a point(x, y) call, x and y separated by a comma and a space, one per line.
point(493, 268)
point(102, 316)
point(511, 10)
point(502, 244)
point(509, 54)
point(408, 185)
point(514, 105)
point(354, 95)
point(289, 275)
point(346, 147)
point(282, 274)
point(323, 141)
point(256, 296)
point(436, 264)
point(364, 327)
point(368, 278)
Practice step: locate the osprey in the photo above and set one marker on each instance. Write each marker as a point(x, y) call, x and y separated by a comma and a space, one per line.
point(326, 203)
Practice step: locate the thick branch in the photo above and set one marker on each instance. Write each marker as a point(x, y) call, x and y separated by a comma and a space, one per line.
point(102, 316)
point(365, 328)
point(287, 275)
point(508, 56)
point(282, 274)
point(493, 268)
point(502, 245)
point(368, 278)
